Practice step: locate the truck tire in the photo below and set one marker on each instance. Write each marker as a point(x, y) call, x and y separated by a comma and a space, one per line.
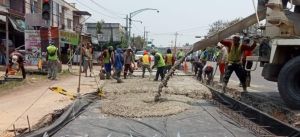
point(289, 83)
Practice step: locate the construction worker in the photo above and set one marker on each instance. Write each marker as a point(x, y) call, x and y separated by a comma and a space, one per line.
point(146, 63)
point(88, 58)
point(249, 64)
point(235, 50)
point(118, 65)
point(159, 63)
point(222, 60)
point(169, 60)
point(179, 56)
point(52, 59)
point(107, 61)
point(16, 60)
point(208, 70)
point(129, 60)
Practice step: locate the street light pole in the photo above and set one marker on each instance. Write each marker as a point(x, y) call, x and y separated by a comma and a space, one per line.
point(131, 15)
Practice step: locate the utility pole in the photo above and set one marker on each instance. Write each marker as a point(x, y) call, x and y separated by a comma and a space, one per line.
point(175, 45)
point(127, 29)
point(144, 44)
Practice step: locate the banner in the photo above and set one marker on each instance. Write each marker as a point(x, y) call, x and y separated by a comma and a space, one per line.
point(69, 37)
point(32, 47)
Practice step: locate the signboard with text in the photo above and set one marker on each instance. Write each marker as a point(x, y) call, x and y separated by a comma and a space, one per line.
point(32, 47)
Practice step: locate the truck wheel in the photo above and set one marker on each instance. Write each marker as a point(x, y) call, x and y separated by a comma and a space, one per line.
point(289, 83)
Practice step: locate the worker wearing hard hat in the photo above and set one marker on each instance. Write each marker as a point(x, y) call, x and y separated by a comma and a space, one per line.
point(146, 63)
point(159, 63)
point(235, 50)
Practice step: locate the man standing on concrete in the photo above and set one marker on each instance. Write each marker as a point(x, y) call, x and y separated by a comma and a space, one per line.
point(234, 60)
point(222, 60)
point(159, 63)
point(169, 60)
point(52, 59)
point(129, 59)
point(118, 65)
point(146, 62)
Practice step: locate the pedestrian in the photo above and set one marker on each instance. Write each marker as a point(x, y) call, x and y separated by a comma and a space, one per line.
point(118, 65)
point(52, 59)
point(146, 63)
point(88, 59)
point(169, 60)
point(247, 64)
point(235, 50)
point(107, 61)
point(2, 54)
point(129, 60)
point(16, 61)
point(222, 60)
point(159, 63)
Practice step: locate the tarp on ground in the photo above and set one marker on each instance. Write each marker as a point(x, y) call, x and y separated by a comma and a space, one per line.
point(202, 120)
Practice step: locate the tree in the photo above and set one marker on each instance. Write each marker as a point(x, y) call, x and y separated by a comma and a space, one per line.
point(220, 25)
point(99, 26)
point(138, 42)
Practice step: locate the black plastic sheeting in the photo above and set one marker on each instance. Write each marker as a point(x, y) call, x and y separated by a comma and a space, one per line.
point(202, 119)
point(72, 112)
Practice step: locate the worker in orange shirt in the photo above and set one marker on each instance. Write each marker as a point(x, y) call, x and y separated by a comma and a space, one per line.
point(249, 64)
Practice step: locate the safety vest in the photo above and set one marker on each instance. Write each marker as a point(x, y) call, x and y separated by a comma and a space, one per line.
point(52, 53)
point(146, 59)
point(180, 54)
point(234, 56)
point(107, 58)
point(161, 61)
point(169, 59)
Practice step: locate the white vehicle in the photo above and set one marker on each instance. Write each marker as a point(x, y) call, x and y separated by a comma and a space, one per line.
point(139, 54)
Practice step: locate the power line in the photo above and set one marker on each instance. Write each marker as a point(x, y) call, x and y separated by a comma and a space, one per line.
point(97, 11)
point(108, 10)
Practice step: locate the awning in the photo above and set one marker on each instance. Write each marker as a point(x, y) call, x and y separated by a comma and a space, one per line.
point(18, 24)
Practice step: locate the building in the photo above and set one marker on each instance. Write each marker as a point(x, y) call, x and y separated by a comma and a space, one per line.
point(64, 28)
point(15, 11)
point(110, 31)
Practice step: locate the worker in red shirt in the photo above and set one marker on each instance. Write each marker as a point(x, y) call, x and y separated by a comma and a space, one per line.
point(235, 50)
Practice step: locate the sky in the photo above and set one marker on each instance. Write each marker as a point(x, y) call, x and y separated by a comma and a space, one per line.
point(189, 18)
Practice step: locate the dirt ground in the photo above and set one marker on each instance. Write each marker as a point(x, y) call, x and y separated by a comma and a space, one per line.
point(133, 98)
point(35, 100)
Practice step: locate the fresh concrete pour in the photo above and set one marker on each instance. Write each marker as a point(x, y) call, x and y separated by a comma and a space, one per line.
point(134, 97)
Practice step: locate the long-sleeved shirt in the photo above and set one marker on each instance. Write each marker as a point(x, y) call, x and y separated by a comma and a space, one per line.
point(236, 58)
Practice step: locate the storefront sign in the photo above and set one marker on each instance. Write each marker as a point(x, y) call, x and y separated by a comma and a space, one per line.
point(32, 47)
point(69, 37)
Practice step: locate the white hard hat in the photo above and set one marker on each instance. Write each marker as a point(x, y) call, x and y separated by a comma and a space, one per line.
point(220, 45)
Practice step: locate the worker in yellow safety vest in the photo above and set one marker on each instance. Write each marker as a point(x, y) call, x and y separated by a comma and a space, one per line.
point(159, 63)
point(170, 60)
point(146, 63)
point(52, 59)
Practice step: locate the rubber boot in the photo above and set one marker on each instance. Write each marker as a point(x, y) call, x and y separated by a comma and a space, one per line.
point(248, 81)
point(224, 86)
point(221, 78)
point(245, 88)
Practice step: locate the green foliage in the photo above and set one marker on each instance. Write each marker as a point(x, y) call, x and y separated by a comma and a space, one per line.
point(99, 27)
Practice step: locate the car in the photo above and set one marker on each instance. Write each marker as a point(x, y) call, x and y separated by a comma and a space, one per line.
point(139, 54)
